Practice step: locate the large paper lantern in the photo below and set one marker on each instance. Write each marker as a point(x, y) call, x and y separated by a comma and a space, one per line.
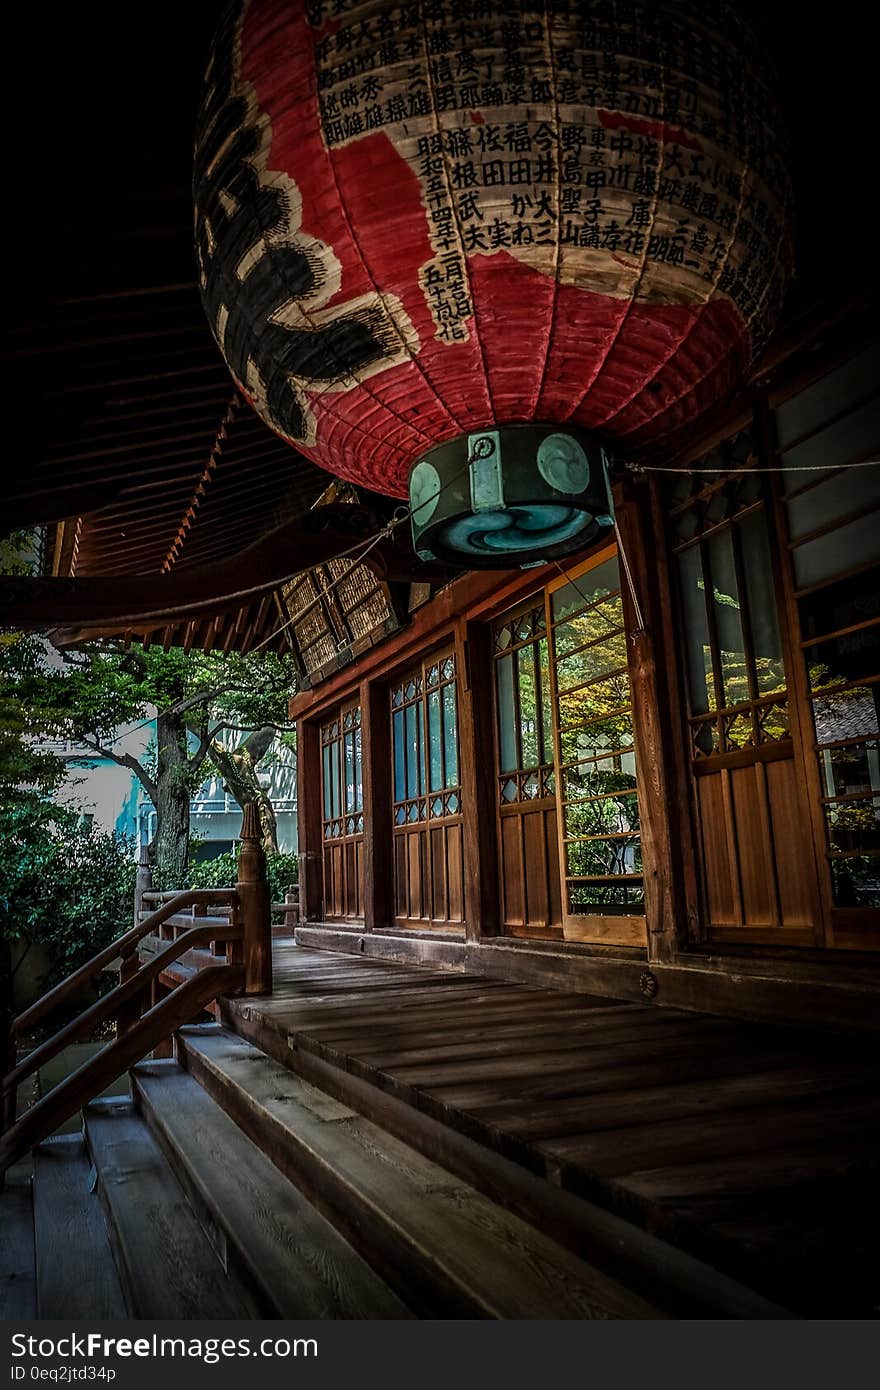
point(420, 224)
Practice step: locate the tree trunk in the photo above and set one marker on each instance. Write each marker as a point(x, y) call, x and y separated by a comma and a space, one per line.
point(171, 846)
point(238, 768)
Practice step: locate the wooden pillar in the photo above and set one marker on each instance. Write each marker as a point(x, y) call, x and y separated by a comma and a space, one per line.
point(473, 661)
point(378, 841)
point(656, 724)
point(254, 906)
point(308, 802)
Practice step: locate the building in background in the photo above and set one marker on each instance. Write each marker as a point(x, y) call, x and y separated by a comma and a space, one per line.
point(111, 797)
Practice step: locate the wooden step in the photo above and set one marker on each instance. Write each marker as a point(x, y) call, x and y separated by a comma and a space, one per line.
point(18, 1284)
point(167, 1266)
point(76, 1273)
point(448, 1249)
point(289, 1256)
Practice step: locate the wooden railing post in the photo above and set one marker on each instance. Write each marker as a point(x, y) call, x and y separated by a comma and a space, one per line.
point(291, 915)
point(254, 906)
point(130, 1013)
point(143, 883)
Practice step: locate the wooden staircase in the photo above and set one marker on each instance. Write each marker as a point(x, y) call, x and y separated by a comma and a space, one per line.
point(228, 1187)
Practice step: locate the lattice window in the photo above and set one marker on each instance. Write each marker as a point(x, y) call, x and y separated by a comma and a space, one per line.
point(523, 705)
point(832, 515)
point(597, 769)
point(424, 727)
point(342, 782)
point(737, 689)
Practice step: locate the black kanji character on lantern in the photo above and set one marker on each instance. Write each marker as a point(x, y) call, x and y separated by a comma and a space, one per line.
point(237, 215)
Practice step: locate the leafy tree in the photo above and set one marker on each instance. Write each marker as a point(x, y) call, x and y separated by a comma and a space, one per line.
point(89, 694)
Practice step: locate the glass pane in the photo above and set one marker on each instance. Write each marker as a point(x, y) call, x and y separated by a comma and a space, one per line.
point(609, 815)
point(701, 681)
point(597, 660)
point(856, 882)
point(728, 618)
point(412, 751)
point(847, 714)
point(855, 656)
point(335, 779)
point(602, 621)
point(839, 551)
point(435, 740)
point(854, 825)
point(399, 736)
point(546, 712)
point(605, 734)
point(585, 590)
point(834, 498)
point(612, 898)
point(853, 769)
point(350, 793)
point(806, 411)
point(766, 644)
point(450, 735)
point(506, 714)
point(837, 443)
point(358, 771)
point(327, 787)
point(420, 733)
point(528, 707)
point(582, 706)
point(844, 604)
point(594, 858)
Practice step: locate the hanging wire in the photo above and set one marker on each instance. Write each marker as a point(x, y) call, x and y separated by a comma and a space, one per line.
point(770, 468)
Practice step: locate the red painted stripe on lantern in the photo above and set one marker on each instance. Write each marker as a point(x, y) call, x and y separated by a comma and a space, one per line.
point(658, 130)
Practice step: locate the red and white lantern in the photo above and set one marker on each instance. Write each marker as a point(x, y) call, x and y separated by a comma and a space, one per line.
point(417, 222)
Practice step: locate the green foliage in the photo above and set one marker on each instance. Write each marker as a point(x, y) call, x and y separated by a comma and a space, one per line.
point(222, 872)
point(65, 887)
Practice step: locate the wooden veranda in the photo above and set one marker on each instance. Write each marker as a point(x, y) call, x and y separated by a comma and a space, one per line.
point(752, 1147)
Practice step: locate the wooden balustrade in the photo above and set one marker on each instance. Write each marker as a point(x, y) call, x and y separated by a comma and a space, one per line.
point(223, 946)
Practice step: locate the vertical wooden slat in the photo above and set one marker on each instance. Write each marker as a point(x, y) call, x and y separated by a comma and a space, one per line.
point(308, 786)
point(473, 660)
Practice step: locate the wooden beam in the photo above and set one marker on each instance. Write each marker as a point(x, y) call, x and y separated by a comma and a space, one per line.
point(127, 600)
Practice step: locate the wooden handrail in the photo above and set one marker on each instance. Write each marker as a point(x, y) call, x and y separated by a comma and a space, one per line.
point(171, 1013)
point(248, 969)
point(109, 1004)
point(123, 945)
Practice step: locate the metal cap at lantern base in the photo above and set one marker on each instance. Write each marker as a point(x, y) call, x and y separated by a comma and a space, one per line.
point(516, 495)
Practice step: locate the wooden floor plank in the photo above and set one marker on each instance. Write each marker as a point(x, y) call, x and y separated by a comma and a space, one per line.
point(76, 1272)
point(168, 1268)
point(617, 1152)
point(18, 1285)
point(559, 1118)
point(293, 1260)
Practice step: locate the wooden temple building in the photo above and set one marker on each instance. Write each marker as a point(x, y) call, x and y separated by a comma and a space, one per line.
point(577, 1014)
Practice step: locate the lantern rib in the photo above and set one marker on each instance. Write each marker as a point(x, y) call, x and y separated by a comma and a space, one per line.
point(644, 262)
point(264, 238)
point(689, 391)
point(551, 62)
point(464, 260)
point(414, 357)
point(698, 317)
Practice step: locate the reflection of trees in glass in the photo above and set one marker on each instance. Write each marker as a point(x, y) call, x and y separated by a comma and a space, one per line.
point(600, 810)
